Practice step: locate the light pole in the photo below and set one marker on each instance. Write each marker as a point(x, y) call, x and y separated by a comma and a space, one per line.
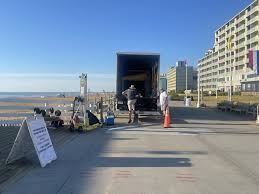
point(201, 94)
point(198, 103)
point(230, 89)
point(229, 56)
point(88, 99)
point(186, 79)
point(217, 88)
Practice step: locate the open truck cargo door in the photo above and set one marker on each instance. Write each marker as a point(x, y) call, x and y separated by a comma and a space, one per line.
point(142, 71)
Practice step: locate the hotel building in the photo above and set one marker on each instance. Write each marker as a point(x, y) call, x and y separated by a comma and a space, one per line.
point(229, 58)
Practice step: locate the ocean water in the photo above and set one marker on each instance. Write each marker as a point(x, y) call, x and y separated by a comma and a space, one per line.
point(34, 94)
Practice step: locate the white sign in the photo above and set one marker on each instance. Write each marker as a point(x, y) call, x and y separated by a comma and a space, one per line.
point(82, 91)
point(39, 139)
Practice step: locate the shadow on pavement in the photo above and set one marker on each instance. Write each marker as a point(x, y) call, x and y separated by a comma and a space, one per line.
point(192, 132)
point(151, 120)
point(179, 152)
point(203, 123)
point(191, 113)
point(220, 132)
point(142, 162)
point(160, 152)
point(178, 121)
point(119, 139)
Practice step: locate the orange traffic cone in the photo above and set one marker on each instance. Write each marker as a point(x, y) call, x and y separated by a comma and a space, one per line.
point(167, 119)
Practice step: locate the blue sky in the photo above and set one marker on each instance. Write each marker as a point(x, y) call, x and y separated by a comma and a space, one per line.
point(45, 44)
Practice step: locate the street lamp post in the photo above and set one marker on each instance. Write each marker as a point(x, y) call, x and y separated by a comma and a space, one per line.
point(201, 94)
point(186, 79)
point(198, 103)
point(217, 88)
point(230, 89)
point(230, 64)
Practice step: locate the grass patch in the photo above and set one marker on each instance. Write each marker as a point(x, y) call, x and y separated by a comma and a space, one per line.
point(212, 101)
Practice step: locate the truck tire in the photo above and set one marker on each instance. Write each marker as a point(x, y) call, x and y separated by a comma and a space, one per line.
point(37, 110)
point(57, 113)
point(43, 113)
point(51, 110)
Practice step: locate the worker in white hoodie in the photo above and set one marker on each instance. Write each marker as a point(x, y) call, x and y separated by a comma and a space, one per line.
point(163, 101)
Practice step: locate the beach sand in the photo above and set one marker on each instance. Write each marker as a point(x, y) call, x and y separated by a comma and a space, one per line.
point(13, 108)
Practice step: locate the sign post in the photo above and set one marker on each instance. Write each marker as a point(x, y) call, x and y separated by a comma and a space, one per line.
point(33, 133)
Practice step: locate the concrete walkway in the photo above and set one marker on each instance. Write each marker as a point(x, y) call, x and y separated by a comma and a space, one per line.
point(203, 152)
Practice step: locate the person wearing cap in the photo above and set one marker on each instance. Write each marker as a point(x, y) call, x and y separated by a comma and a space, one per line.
point(163, 100)
point(131, 95)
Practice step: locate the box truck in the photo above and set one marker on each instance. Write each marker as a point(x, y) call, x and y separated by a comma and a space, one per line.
point(142, 71)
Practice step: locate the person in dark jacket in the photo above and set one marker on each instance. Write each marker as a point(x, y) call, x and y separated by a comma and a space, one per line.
point(131, 95)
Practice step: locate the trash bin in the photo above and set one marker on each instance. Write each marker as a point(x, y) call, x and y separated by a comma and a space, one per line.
point(188, 102)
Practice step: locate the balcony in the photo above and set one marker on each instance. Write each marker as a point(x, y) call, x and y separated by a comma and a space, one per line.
point(242, 27)
point(252, 30)
point(252, 40)
point(222, 65)
point(222, 51)
point(223, 41)
point(221, 56)
point(240, 37)
point(242, 62)
point(221, 37)
point(256, 18)
point(255, 47)
point(241, 18)
point(239, 54)
point(222, 60)
point(222, 33)
point(240, 45)
point(252, 11)
point(222, 46)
